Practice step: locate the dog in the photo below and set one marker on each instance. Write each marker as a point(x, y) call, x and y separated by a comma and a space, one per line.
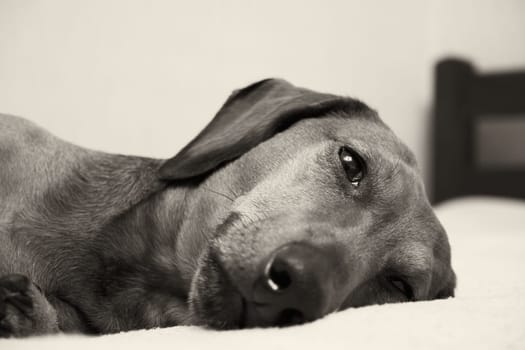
point(290, 205)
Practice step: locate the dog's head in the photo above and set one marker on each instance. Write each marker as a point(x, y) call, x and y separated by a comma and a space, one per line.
point(328, 211)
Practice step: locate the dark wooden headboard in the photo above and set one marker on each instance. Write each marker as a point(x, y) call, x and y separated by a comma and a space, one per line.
point(479, 132)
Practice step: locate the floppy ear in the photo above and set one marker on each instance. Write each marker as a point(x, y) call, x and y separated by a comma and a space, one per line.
point(249, 117)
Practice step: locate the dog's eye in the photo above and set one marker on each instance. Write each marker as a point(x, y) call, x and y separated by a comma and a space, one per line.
point(353, 165)
point(402, 286)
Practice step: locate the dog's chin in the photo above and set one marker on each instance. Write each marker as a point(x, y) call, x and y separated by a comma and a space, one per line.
point(214, 301)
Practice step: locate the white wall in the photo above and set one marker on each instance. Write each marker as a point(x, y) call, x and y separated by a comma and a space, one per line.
point(143, 77)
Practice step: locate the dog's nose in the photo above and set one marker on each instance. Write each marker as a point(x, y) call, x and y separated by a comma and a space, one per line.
point(293, 287)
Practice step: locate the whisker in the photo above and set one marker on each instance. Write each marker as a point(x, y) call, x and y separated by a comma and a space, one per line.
point(218, 193)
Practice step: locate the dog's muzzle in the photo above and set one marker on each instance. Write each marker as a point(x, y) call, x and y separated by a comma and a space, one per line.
point(294, 286)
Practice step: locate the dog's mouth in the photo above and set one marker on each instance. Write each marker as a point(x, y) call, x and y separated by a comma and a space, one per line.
point(215, 302)
point(237, 311)
point(218, 302)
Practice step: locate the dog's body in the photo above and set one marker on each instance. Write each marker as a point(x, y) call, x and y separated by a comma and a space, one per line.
point(100, 243)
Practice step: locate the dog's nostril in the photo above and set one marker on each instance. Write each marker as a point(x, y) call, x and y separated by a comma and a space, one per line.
point(294, 285)
point(277, 276)
point(290, 317)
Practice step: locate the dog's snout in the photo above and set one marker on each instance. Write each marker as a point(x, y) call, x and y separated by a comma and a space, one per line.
point(293, 286)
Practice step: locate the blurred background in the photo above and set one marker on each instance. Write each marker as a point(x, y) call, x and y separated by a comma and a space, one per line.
point(143, 77)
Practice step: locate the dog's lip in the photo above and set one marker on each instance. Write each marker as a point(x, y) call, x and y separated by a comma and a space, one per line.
point(243, 314)
point(240, 320)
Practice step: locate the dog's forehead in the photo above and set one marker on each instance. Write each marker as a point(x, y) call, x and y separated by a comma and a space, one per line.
point(363, 130)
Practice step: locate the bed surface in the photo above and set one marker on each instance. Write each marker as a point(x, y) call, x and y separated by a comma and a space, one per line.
point(488, 253)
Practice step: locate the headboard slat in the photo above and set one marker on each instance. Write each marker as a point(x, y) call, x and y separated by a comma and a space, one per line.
point(462, 98)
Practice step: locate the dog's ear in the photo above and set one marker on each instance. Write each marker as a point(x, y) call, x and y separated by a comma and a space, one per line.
point(250, 116)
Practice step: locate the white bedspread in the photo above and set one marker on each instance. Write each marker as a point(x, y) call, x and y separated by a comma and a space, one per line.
point(488, 246)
